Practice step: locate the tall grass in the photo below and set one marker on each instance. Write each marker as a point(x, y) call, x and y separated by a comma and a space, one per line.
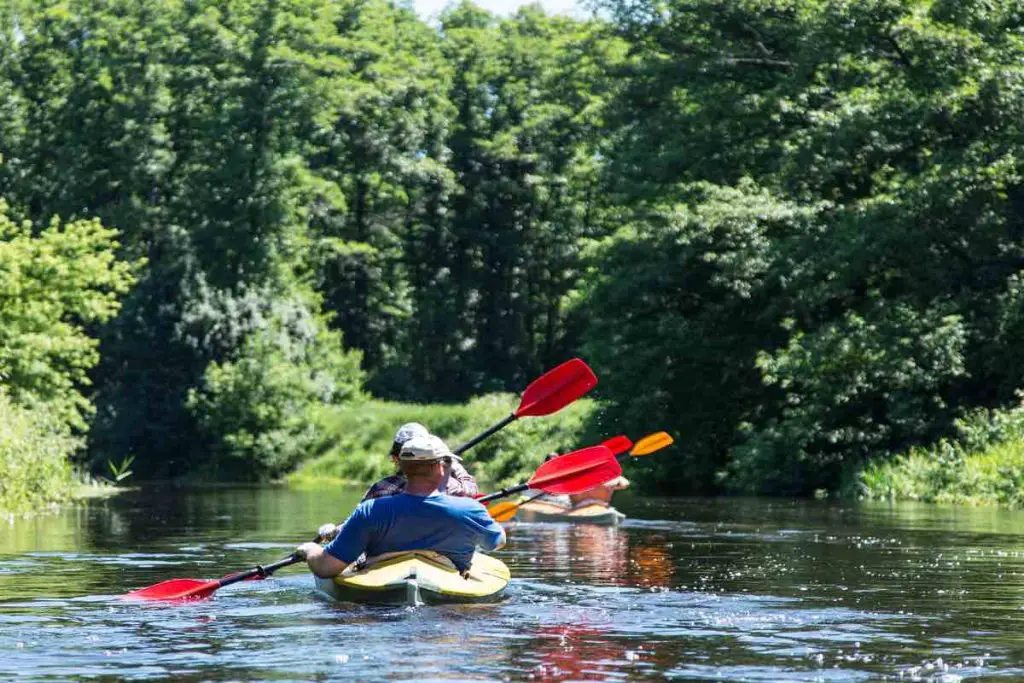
point(34, 466)
point(356, 438)
point(984, 465)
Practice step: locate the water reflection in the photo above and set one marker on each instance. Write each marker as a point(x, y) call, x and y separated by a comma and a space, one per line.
point(573, 652)
point(721, 589)
point(650, 563)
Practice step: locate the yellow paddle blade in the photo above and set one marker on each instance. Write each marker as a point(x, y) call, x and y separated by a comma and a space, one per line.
point(503, 511)
point(651, 443)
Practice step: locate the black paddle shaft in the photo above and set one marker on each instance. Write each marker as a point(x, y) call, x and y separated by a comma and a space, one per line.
point(260, 570)
point(480, 437)
point(504, 492)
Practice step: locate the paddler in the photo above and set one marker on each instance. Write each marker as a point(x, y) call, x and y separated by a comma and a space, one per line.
point(456, 482)
point(599, 495)
point(418, 518)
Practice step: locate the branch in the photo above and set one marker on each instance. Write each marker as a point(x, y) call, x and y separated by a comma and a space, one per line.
point(757, 61)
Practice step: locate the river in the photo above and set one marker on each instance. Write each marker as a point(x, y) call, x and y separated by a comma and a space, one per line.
point(730, 589)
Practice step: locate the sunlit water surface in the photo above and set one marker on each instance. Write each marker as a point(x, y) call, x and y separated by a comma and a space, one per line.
point(686, 589)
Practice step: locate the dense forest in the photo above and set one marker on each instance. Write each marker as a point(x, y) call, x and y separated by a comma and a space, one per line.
point(787, 231)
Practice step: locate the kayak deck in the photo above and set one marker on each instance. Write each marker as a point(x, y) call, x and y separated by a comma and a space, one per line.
point(418, 578)
point(540, 511)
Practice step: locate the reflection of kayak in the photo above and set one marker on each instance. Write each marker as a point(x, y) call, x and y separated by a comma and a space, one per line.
point(418, 578)
point(539, 511)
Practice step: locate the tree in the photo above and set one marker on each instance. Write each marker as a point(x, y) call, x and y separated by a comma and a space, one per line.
point(54, 285)
point(680, 303)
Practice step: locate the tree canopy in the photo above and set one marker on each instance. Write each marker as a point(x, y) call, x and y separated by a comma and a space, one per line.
point(786, 231)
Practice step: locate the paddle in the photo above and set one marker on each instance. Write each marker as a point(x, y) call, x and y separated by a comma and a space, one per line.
point(572, 473)
point(196, 589)
point(547, 394)
point(503, 512)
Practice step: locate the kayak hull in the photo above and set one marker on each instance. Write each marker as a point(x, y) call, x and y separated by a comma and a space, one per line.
point(418, 578)
point(539, 511)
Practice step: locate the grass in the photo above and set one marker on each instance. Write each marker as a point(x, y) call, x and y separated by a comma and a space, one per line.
point(948, 473)
point(356, 439)
point(34, 468)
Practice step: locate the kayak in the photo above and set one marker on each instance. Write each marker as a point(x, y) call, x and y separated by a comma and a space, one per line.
point(540, 511)
point(417, 578)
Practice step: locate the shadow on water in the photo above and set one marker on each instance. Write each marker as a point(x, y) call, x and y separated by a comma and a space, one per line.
point(689, 589)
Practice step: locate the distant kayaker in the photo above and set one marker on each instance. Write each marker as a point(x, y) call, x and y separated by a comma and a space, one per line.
point(419, 518)
point(599, 495)
point(456, 482)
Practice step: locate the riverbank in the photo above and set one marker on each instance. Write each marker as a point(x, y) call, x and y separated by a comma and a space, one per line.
point(983, 466)
point(994, 476)
point(355, 439)
point(36, 474)
point(34, 467)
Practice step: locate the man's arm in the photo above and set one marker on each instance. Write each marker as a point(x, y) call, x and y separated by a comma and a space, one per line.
point(459, 482)
point(348, 544)
point(491, 535)
point(618, 484)
point(321, 563)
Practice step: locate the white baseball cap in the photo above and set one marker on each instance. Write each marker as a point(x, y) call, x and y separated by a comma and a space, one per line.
point(426, 448)
point(408, 431)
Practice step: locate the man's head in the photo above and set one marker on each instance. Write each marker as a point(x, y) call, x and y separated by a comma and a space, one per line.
point(404, 433)
point(424, 456)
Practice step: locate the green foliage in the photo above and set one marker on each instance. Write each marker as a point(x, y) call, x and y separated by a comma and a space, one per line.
point(254, 411)
point(678, 309)
point(788, 232)
point(859, 389)
point(34, 452)
point(356, 438)
point(120, 471)
point(983, 465)
point(899, 310)
point(55, 284)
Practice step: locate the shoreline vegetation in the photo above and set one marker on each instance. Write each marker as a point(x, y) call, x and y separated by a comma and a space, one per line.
point(242, 241)
point(984, 465)
point(356, 439)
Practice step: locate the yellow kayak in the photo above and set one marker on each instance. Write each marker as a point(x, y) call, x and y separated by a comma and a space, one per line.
point(540, 511)
point(417, 578)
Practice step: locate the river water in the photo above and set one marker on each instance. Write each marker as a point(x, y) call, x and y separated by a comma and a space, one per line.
point(732, 589)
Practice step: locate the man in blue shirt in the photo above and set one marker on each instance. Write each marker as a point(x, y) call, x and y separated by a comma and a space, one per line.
point(420, 518)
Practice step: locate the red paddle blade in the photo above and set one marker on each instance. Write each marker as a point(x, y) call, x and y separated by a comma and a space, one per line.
point(556, 389)
point(618, 444)
point(175, 589)
point(576, 472)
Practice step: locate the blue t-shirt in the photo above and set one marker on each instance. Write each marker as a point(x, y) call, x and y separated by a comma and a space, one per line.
point(452, 526)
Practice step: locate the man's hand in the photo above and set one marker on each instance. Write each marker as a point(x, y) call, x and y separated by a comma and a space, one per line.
point(307, 550)
point(320, 563)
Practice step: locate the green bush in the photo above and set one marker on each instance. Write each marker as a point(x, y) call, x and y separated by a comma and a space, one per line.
point(983, 464)
point(34, 450)
point(858, 389)
point(256, 411)
point(56, 283)
point(677, 314)
point(356, 438)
